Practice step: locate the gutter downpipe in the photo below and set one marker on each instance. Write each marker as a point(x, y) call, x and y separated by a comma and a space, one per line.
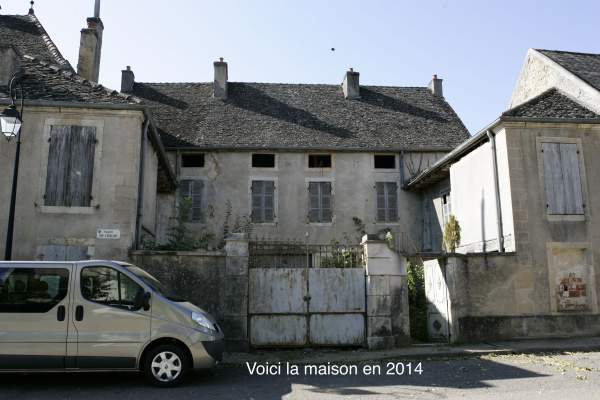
point(492, 138)
point(140, 202)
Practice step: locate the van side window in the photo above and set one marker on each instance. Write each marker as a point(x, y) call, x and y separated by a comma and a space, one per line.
point(105, 285)
point(32, 290)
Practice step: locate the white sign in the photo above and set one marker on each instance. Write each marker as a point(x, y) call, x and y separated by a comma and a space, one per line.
point(110, 234)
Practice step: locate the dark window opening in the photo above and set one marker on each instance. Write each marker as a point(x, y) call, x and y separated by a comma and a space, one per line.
point(319, 161)
point(263, 160)
point(32, 290)
point(385, 162)
point(192, 160)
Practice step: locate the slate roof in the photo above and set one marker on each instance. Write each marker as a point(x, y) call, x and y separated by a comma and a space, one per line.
point(27, 35)
point(585, 65)
point(551, 104)
point(301, 116)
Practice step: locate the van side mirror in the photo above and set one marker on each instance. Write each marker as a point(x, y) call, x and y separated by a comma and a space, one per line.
point(142, 300)
point(146, 301)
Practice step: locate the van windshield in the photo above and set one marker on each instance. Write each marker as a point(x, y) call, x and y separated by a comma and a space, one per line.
point(154, 283)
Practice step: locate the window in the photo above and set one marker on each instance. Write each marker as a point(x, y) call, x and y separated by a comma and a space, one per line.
point(70, 166)
point(263, 201)
point(107, 286)
point(192, 191)
point(192, 160)
point(387, 201)
point(385, 161)
point(32, 290)
point(319, 194)
point(319, 161)
point(562, 179)
point(446, 208)
point(263, 160)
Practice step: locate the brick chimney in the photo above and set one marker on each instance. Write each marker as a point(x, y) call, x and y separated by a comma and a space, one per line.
point(436, 86)
point(127, 80)
point(220, 82)
point(351, 85)
point(90, 47)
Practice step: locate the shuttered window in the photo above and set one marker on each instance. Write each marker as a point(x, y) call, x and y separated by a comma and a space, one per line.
point(70, 166)
point(387, 201)
point(319, 194)
point(446, 208)
point(193, 189)
point(263, 201)
point(562, 179)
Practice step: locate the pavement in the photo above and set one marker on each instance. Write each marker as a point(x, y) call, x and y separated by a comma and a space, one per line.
point(416, 351)
point(532, 369)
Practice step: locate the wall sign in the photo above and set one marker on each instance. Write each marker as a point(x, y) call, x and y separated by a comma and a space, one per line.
point(108, 234)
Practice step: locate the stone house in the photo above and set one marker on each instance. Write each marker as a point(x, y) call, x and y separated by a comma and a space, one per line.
point(307, 162)
point(90, 156)
point(525, 193)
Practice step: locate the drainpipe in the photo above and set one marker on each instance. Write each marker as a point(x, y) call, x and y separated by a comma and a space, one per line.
point(140, 203)
point(492, 138)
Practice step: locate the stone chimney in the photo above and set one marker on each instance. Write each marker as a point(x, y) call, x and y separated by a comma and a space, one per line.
point(90, 47)
point(127, 80)
point(351, 85)
point(220, 83)
point(9, 64)
point(436, 86)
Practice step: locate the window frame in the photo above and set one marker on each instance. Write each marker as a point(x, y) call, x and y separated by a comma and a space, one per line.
point(202, 200)
point(119, 273)
point(275, 199)
point(96, 172)
point(542, 179)
point(275, 166)
point(387, 222)
point(331, 200)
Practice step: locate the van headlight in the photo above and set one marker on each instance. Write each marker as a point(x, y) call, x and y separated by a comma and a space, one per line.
point(203, 323)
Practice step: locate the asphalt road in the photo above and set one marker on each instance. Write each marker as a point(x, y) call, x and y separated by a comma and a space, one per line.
point(558, 376)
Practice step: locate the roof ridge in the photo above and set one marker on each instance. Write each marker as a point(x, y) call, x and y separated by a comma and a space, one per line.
point(49, 43)
point(70, 74)
point(570, 52)
point(545, 94)
point(282, 83)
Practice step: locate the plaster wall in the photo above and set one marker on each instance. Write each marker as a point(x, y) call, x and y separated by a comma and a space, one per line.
point(115, 183)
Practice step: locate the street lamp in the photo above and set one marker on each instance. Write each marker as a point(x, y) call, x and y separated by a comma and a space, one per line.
point(10, 123)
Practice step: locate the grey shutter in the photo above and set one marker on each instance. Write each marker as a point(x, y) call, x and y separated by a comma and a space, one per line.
point(256, 190)
point(58, 166)
point(392, 202)
point(562, 179)
point(569, 156)
point(197, 191)
point(81, 167)
point(553, 178)
point(381, 199)
point(269, 201)
point(426, 224)
point(314, 203)
point(326, 212)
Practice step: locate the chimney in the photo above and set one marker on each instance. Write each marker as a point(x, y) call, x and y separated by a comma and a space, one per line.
point(9, 64)
point(220, 83)
point(351, 85)
point(90, 47)
point(436, 86)
point(127, 80)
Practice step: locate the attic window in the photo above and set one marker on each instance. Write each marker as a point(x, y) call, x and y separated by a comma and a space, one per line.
point(385, 161)
point(192, 160)
point(263, 160)
point(319, 161)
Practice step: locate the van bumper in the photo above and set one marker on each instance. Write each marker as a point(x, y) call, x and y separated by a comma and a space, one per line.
point(207, 353)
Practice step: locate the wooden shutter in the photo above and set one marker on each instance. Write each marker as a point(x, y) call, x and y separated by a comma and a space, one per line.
point(562, 179)
point(427, 245)
point(326, 213)
point(58, 166)
point(392, 201)
point(81, 168)
point(269, 201)
point(314, 202)
point(381, 200)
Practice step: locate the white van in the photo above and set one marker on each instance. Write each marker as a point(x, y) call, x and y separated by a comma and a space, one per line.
point(100, 315)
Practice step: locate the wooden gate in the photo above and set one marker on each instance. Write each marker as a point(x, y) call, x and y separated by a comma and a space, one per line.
point(436, 291)
point(306, 296)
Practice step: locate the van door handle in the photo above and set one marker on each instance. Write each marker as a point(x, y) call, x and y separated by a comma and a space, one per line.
point(79, 313)
point(60, 313)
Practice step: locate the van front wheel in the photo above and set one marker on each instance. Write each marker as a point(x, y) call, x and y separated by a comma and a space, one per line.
point(166, 365)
